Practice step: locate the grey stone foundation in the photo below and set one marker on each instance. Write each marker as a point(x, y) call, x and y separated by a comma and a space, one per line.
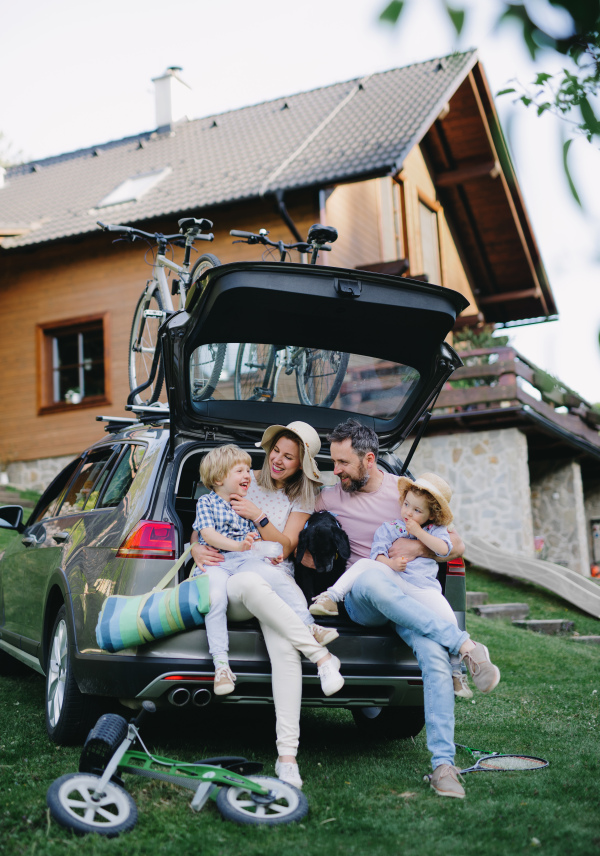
point(35, 475)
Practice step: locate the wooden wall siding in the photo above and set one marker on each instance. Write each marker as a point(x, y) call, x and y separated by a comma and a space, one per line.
point(59, 283)
point(354, 210)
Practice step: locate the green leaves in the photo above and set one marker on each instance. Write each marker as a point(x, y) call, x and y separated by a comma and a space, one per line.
point(392, 12)
point(572, 188)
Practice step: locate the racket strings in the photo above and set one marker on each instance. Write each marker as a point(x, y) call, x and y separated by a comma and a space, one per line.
point(511, 762)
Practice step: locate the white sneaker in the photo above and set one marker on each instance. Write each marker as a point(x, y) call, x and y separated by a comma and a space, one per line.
point(288, 772)
point(329, 675)
point(224, 681)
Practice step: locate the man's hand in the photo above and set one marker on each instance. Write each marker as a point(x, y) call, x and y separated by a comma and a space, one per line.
point(205, 555)
point(409, 549)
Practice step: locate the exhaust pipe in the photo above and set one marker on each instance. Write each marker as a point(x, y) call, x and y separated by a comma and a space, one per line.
point(202, 698)
point(179, 697)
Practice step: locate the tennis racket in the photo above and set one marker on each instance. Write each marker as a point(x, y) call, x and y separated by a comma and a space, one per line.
point(502, 763)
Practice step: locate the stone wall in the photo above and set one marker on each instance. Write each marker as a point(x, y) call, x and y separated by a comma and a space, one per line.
point(35, 475)
point(559, 515)
point(592, 512)
point(489, 474)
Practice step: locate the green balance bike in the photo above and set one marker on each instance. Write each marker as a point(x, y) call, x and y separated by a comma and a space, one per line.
point(94, 799)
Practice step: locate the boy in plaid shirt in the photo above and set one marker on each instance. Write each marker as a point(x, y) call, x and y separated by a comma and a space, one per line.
point(225, 471)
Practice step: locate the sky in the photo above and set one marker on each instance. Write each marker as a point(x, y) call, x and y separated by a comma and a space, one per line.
point(75, 74)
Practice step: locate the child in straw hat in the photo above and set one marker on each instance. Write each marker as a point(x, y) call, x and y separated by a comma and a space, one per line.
point(425, 515)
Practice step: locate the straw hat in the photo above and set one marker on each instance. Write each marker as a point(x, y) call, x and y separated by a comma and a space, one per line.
point(309, 439)
point(436, 487)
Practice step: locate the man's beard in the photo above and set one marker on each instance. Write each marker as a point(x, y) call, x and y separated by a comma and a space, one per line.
point(355, 485)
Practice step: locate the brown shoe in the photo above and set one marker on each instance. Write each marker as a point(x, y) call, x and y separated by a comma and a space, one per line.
point(485, 675)
point(323, 635)
point(444, 781)
point(323, 605)
point(461, 687)
point(224, 681)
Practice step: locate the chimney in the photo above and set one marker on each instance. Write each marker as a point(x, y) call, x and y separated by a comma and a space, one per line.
point(172, 98)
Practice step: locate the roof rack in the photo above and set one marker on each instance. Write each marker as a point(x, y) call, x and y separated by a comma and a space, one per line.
point(116, 423)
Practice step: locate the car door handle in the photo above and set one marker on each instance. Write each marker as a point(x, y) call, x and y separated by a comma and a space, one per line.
point(60, 537)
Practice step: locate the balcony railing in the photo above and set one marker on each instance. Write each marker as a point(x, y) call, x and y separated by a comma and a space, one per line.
point(501, 378)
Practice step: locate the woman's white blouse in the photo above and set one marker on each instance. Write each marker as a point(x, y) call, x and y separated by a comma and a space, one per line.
point(275, 504)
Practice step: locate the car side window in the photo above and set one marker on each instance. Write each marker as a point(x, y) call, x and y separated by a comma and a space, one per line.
point(49, 501)
point(82, 492)
point(123, 476)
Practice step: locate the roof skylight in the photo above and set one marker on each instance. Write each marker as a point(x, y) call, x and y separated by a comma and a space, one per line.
point(134, 188)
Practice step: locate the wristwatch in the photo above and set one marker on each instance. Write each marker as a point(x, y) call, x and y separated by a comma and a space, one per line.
point(264, 521)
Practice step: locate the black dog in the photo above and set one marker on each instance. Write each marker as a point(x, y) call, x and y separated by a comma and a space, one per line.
point(328, 544)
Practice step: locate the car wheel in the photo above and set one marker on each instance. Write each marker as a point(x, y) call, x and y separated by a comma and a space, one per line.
point(69, 713)
point(399, 723)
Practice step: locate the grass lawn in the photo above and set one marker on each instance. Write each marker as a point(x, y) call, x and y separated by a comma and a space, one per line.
point(365, 798)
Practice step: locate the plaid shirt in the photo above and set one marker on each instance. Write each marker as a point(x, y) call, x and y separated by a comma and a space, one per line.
point(213, 512)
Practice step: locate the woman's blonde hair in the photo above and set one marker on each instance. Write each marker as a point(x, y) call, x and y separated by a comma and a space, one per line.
point(297, 486)
point(218, 462)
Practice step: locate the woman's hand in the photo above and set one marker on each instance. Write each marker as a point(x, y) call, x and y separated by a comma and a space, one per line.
point(409, 548)
point(244, 507)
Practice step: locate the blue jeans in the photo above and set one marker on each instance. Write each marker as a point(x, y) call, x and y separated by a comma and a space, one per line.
point(374, 600)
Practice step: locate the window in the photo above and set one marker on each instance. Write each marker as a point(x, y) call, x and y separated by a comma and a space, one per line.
point(430, 243)
point(73, 363)
point(122, 477)
point(82, 494)
point(134, 188)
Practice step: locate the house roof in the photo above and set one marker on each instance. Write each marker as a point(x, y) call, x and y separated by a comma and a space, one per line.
point(348, 131)
point(361, 127)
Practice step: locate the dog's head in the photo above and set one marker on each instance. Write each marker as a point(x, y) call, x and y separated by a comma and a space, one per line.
point(325, 540)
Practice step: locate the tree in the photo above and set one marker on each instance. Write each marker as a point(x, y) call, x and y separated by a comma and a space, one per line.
point(8, 155)
point(567, 94)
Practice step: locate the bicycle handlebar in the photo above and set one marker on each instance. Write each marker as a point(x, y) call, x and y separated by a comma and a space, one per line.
point(158, 237)
point(252, 238)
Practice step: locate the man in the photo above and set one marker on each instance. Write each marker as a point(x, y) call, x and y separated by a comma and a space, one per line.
point(364, 498)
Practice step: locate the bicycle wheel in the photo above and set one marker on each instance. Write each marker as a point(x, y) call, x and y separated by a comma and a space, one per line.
point(253, 370)
point(319, 375)
point(148, 317)
point(206, 362)
point(287, 804)
point(71, 802)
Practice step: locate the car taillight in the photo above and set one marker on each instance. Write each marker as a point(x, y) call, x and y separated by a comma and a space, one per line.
point(149, 540)
point(456, 568)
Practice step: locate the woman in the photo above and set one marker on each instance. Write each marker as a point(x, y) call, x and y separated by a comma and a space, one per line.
point(280, 500)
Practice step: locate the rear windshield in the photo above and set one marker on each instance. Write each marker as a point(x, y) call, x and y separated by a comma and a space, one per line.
point(292, 374)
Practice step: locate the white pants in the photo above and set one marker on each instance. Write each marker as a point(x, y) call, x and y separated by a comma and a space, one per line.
point(286, 637)
point(432, 598)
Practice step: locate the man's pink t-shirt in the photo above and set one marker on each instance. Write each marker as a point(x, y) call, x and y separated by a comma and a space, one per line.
point(360, 514)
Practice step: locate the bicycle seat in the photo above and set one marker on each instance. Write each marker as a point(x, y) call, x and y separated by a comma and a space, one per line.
point(190, 223)
point(322, 234)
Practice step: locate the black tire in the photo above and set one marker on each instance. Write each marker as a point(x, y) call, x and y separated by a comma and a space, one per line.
point(398, 723)
point(102, 742)
point(253, 366)
point(319, 376)
point(69, 713)
point(206, 362)
point(143, 342)
point(237, 804)
point(69, 799)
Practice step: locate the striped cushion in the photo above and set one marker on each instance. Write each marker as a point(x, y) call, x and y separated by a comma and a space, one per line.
point(126, 622)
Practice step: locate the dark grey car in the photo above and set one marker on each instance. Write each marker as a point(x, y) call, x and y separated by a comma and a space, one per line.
point(364, 345)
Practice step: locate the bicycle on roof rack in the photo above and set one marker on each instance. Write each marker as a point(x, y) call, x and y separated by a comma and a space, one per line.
point(146, 372)
point(319, 373)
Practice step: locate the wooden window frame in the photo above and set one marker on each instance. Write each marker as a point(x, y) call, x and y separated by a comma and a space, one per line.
point(44, 335)
point(435, 207)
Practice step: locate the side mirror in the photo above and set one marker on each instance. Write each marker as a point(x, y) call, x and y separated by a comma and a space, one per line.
point(11, 517)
